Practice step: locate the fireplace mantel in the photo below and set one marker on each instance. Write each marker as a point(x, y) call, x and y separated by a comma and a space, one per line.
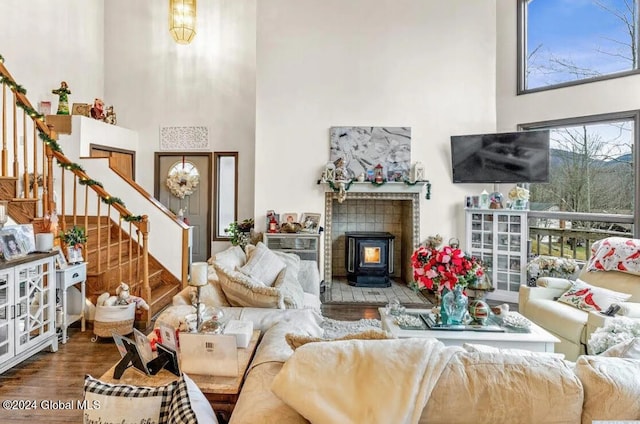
point(388, 187)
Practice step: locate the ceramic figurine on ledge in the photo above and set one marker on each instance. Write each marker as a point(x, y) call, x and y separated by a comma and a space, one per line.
point(63, 99)
point(111, 116)
point(97, 110)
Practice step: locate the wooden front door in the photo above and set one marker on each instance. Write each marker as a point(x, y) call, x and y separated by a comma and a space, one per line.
point(120, 159)
point(196, 208)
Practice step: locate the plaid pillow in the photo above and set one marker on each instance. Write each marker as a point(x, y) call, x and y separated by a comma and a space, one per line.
point(124, 403)
point(180, 410)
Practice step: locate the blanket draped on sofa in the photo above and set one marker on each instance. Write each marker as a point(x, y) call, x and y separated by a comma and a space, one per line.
point(344, 382)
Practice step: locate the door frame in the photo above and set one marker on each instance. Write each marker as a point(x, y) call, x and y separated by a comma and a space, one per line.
point(116, 150)
point(156, 184)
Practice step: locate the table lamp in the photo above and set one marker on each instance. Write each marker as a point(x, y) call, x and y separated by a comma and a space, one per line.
point(199, 274)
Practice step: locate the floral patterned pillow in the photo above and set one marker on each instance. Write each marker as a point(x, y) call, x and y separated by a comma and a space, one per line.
point(591, 298)
point(615, 254)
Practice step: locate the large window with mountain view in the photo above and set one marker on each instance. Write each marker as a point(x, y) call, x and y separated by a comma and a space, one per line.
point(567, 42)
point(592, 170)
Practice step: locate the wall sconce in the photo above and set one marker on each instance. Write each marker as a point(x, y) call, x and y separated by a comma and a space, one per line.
point(182, 20)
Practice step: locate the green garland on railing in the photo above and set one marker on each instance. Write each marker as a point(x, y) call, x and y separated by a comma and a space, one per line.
point(110, 200)
point(132, 218)
point(71, 166)
point(89, 182)
point(30, 111)
point(53, 144)
point(336, 188)
point(13, 85)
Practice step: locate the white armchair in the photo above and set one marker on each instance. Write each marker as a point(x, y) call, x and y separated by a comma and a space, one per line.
point(571, 325)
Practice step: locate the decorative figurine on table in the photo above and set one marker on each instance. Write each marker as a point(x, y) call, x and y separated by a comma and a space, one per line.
point(97, 110)
point(111, 116)
point(63, 99)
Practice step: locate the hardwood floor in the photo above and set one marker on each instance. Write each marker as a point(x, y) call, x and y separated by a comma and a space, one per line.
point(50, 378)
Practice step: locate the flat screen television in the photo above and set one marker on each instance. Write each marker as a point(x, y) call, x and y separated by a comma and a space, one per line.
point(517, 157)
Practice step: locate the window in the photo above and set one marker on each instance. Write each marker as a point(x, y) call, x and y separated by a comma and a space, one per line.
point(592, 167)
point(226, 194)
point(567, 42)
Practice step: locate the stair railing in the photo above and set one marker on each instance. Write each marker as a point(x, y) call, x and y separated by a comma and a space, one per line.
point(36, 201)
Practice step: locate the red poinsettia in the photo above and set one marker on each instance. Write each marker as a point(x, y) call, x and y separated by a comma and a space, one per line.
point(436, 269)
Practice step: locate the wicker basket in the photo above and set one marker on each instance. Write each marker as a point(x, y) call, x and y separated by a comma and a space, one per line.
point(117, 319)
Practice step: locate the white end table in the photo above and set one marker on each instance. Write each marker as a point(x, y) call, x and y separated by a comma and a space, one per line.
point(65, 278)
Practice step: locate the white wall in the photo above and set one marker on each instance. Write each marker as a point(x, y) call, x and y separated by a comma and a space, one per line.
point(426, 64)
point(45, 42)
point(614, 95)
point(154, 82)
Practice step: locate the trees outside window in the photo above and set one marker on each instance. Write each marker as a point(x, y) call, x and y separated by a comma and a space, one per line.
point(567, 42)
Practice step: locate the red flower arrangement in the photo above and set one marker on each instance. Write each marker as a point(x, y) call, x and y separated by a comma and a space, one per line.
point(448, 267)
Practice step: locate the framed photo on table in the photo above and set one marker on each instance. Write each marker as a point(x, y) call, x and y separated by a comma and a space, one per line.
point(310, 222)
point(11, 248)
point(289, 218)
point(61, 261)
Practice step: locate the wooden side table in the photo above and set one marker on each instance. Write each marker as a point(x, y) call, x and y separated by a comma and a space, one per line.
point(65, 278)
point(222, 392)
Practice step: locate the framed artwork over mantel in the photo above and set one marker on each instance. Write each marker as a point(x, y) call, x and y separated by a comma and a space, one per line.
point(363, 148)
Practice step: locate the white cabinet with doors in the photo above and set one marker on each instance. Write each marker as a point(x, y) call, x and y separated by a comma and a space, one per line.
point(499, 238)
point(27, 308)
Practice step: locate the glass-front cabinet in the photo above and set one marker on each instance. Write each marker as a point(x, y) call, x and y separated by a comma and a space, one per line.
point(499, 238)
point(27, 308)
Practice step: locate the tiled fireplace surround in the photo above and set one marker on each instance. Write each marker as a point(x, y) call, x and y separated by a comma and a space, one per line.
point(396, 213)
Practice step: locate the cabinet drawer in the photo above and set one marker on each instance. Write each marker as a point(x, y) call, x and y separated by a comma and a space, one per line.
point(72, 274)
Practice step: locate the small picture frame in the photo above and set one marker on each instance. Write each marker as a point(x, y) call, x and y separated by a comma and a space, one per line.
point(310, 222)
point(168, 335)
point(11, 248)
point(289, 218)
point(61, 261)
point(26, 237)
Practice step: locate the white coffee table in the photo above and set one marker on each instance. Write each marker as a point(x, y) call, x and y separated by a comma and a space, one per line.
point(538, 340)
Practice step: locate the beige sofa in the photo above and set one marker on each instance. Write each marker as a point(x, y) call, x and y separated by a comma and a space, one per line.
point(470, 386)
point(571, 325)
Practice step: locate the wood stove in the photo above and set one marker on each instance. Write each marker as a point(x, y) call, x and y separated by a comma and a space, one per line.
point(369, 258)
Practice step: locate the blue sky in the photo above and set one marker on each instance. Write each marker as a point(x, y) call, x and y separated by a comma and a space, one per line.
point(575, 30)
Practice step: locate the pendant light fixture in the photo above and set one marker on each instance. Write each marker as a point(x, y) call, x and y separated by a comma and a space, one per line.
point(182, 20)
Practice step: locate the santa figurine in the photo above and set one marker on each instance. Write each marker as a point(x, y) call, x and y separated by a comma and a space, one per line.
point(97, 110)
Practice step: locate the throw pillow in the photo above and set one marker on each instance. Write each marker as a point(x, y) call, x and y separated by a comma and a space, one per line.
point(615, 254)
point(262, 264)
point(124, 403)
point(232, 257)
point(297, 340)
point(290, 289)
point(242, 290)
point(212, 293)
point(586, 297)
point(626, 349)
point(189, 405)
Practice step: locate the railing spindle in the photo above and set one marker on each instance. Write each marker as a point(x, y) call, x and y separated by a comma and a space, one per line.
point(99, 236)
point(15, 135)
point(25, 156)
point(34, 193)
point(120, 249)
point(5, 152)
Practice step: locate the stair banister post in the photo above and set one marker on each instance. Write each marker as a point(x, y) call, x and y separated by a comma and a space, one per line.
point(48, 206)
point(144, 229)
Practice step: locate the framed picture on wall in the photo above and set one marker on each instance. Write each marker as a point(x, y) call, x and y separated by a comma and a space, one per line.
point(310, 222)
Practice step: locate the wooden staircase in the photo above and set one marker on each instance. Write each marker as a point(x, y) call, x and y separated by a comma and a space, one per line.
point(112, 256)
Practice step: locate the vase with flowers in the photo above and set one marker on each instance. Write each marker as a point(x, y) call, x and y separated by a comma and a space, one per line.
point(447, 271)
point(74, 238)
point(519, 197)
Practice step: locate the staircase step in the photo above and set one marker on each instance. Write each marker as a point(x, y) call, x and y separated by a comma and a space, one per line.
point(162, 296)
